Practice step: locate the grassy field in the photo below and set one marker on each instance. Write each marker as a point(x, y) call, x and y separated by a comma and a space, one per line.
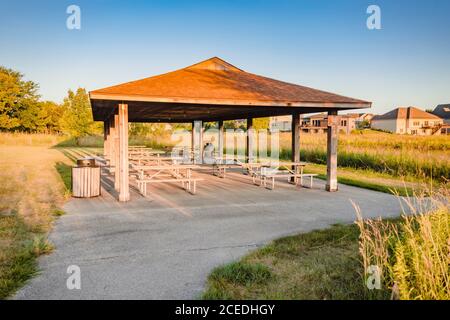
point(31, 196)
point(404, 157)
point(400, 156)
point(316, 265)
point(35, 175)
point(411, 252)
point(368, 159)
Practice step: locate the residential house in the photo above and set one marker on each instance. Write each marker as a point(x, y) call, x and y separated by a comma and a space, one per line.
point(443, 112)
point(364, 119)
point(408, 120)
point(317, 123)
point(281, 123)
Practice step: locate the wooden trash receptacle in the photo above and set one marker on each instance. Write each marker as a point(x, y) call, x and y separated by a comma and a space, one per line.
point(86, 181)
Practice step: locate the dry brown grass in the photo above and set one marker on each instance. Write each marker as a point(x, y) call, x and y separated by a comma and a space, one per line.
point(421, 157)
point(31, 193)
point(29, 139)
point(412, 256)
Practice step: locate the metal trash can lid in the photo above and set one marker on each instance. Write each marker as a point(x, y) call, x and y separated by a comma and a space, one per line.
point(86, 162)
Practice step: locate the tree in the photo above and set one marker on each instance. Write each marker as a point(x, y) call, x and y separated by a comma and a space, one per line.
point(261, 123)
point(77, 120)
point(48, 119)
point(18, 101)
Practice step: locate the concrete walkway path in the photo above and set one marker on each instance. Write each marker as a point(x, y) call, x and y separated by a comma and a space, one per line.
point(164, 247)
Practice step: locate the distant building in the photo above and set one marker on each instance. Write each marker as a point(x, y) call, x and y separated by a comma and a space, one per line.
point(363, 121)
point(443, 112)
point(408, 120)
point(318, 123)
point(281, 123)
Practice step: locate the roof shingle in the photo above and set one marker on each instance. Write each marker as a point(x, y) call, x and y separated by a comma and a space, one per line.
point(216, 79)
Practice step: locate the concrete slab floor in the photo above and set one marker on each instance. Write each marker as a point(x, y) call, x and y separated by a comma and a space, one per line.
point(164, 246)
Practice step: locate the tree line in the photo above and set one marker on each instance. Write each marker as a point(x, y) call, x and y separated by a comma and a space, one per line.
point(22, 110)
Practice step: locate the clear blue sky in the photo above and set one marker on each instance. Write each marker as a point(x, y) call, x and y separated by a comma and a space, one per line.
point(318, 43)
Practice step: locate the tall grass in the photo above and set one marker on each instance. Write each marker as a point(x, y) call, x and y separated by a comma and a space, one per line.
point(29, 139)
point(397, 155)
point(31, 195)
point(412, 256)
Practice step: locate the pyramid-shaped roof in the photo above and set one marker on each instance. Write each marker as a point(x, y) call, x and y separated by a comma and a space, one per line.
point(215, 82)
point(442, 111)
point(406, 113)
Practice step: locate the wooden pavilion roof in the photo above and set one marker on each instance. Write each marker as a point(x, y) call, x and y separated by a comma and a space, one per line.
point(213, 90)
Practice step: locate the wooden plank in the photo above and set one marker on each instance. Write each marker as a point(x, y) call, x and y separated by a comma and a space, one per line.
point(124, 186)
point(116, 153)
point(105, 138)
point(220, 142)
point(250, 141)
point(296, 118)
point(85, 182)
point(332, 141)
point(163, 167)
point(197, 141)
point(111, 138)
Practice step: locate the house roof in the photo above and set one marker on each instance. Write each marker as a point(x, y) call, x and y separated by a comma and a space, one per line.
point(442, 111)
point(405, 113)
point(324, 115)
point(209, 84)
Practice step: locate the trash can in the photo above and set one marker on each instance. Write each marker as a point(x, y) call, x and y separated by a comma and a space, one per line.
point(86, 178)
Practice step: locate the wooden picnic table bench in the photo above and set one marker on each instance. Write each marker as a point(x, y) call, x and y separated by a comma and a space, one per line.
point(293, 171)
point(152, 160)
point(169, 174)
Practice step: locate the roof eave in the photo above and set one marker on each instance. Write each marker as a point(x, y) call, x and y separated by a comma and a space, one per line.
point(232, 102)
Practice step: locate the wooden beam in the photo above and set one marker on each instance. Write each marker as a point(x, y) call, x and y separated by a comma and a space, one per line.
point(296, 118)
point(250, 140)
point(116, 153)
point(295, 131)
point(220, 142)
point(105, 138)
point(124, 187)
point(193, 141)
point(332, 141)
point(111, 141)
point(197, 141)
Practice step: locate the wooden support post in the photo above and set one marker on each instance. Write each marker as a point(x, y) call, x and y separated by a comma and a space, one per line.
point(295, 130)
point(201, 146)
point(193, 141)
point(197, 141)
point(124, 187)
point(296, 118)
point(116, 152)
point(332, 141)
point(220, 142)
point(250, 141)
point(111, 141)
point(106, 139)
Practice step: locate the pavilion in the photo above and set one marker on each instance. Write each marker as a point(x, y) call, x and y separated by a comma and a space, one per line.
point(212, 90)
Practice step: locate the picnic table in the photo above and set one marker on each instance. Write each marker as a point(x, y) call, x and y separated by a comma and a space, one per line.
point(293, 171)
point(145, 152)
point(153, 159)
point(165, 173)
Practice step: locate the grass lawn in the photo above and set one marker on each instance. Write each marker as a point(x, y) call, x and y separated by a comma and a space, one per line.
point(31, 195)
point(320, 265)
point(369, 179)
